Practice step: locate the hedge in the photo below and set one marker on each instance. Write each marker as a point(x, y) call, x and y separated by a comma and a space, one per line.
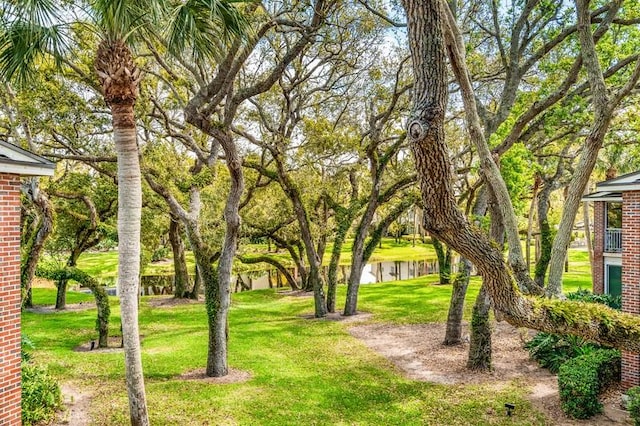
point(581, 380)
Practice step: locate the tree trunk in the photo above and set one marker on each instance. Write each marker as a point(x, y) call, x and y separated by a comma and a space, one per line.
point(217, 361)
point(587, 232)
point(129, 214)
point(319, 301)
point(181, 273)
point(480, 346)
point(197, 284)
point(604, 105)
point(480, 342)
point(34, 247)
point(532, 209)
point(332, 282)
point(546, 235)
point(443, 218)
point(453, 334)
point(444, 261)
point(102, 323)
point(279, 266)
point(351, 302)
point(61, 293)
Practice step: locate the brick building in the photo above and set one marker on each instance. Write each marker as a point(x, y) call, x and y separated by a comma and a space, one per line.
point(616, 247)
point(14, 163)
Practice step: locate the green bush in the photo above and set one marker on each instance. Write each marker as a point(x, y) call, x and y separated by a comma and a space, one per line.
point(41, 396)
point(581, 380)
point(634, 404)
point(614, 302)
point(553, 350)
point(160, 253)
point(25, 346)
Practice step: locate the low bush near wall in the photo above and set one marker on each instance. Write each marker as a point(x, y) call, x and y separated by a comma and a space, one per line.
point(41, 396)
point(634, 404)
point(553, 350)
point(583, 378)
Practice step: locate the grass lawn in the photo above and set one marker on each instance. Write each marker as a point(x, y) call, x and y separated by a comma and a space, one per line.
point(304, 372)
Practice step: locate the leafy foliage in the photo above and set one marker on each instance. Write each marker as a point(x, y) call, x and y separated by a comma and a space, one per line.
point(41, 395)
point(553, 350)
point(614, 302)
point(634, 404)
point(583, 378)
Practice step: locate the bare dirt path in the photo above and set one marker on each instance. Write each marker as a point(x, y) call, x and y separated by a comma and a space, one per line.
point(418, 351)
point(76, 406)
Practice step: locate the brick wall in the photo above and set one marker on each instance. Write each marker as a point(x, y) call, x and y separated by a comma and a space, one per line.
point(630, 277)
point(597, 273)
point(10, 300)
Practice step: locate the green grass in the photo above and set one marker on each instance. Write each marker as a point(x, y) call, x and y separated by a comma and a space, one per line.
point(304, 372)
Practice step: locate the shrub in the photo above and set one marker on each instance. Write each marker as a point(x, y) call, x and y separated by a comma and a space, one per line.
point(614, 302)
point(581, 380)
point(160, 253)
point(634, 404)
point(41, 395)
point(552, 350)
point(25, 346)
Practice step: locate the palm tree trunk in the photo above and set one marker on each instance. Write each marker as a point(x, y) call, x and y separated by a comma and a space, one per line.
point(129, 213)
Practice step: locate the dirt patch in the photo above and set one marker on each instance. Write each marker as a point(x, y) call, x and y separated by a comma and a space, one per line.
point(234, 376)
point(76, 407)
point(418, 351)
point(337, 316)
point(295, 293)
point(70, 307)
point(169, 301)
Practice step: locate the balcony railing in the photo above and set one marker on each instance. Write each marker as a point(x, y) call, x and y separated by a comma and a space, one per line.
point(613, 240)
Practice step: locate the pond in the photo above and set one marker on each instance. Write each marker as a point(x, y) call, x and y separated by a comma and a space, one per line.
point(375, 272)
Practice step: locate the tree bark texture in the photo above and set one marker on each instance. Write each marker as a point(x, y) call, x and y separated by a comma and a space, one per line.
point(332, 282)
point(119, 79)
point(480, 338)
point(446, 221)
point(43, 226)
point(181, 273)
point(444, 261)
point(129, 214)
point(61, 293)
point(546, 234)
point(480, 344)
point(453, 334)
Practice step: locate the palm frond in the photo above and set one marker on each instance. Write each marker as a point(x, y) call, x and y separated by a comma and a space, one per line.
point(22, 44)
point(30, 30)
point(120, 19)
point(200, 26)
